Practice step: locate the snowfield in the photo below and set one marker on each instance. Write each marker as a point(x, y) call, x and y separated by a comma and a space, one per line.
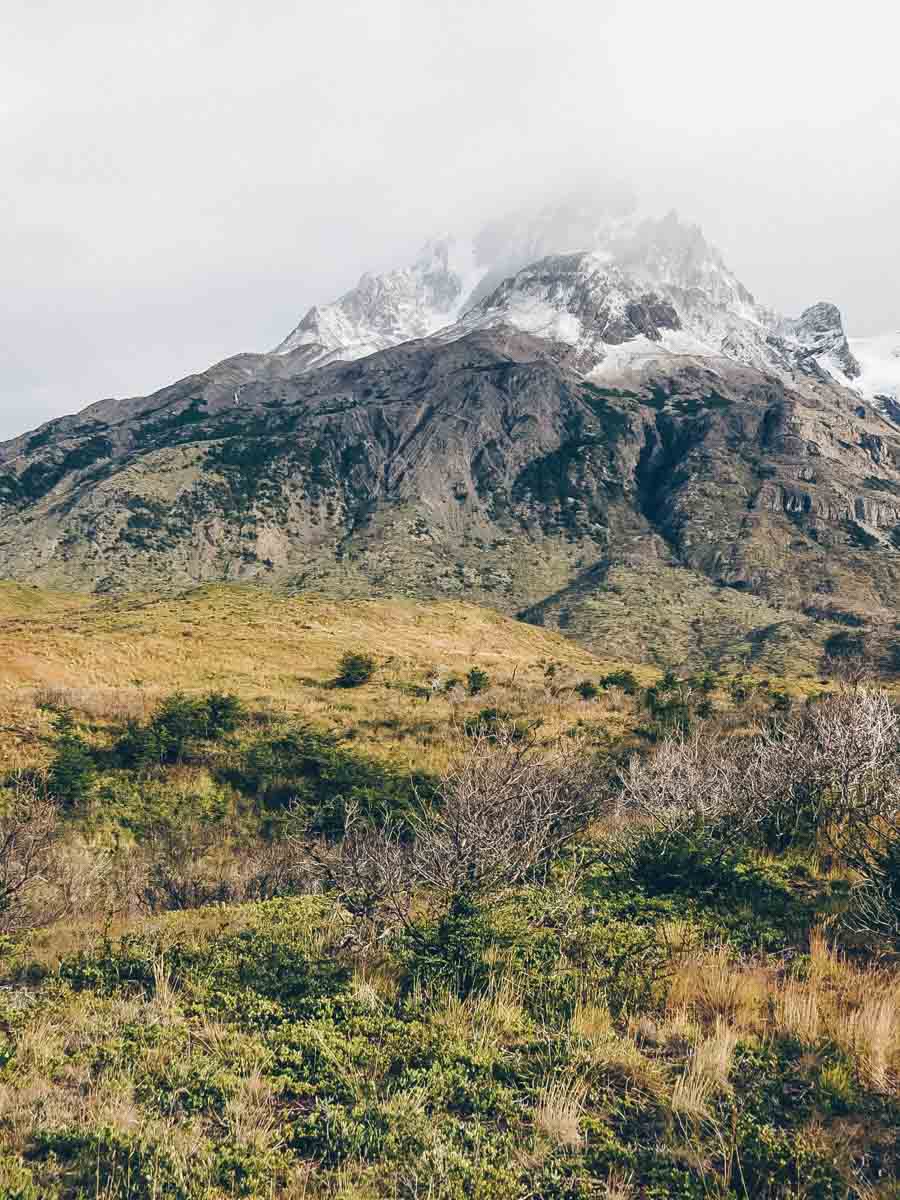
point(879, 360)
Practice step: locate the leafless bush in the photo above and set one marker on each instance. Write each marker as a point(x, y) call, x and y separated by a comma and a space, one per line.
point(194, 864)
point(874, 912)
point(80, 879)
point(275, 869)
point(28, 831)
point(828, 776)
point(690, 781)
point(370, 871)
point(831, 772)
point(503, 812)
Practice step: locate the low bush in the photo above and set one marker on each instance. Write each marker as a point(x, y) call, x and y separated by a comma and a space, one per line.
point(477, 681)
point(177, 724)
point(355, 669)
point(450, 952)
point(626, 680)
point(313, 773)
point(495, 724)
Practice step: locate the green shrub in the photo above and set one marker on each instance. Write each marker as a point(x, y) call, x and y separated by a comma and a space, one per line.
point(224, 713)
point(139, 746)
point(626, 680)
point(178, 722)
point(71, 774)
point(494, 722)
point(668, 703)
point(450, 952)
point(740, 688)
point(355, 669)
point(661, 861)
point(16, 1179)
point(587, 689)
point(704, 682)
point(785, 1162)
point(312, 771)
point(477, 681)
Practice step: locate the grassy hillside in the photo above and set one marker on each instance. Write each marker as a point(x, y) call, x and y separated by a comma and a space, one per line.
point(249, 636)
point(662, 614)
point(105, 657)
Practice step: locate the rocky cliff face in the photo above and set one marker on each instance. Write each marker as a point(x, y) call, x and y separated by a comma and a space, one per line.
point(619, 442)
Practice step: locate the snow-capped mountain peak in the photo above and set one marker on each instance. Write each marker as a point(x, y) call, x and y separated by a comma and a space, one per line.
point(384, 310)
point(621, 290)
point(651, 290)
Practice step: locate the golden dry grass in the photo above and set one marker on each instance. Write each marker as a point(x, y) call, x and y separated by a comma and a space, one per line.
point(559, 1108)
point(856, 1008)
point(109, 660)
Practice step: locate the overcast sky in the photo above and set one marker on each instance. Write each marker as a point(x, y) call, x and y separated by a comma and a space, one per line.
point(183, 179)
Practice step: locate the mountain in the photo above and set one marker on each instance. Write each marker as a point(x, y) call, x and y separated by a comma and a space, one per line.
point(617, 441)
point(450, 275)
point(385, 310)
point(596, 277)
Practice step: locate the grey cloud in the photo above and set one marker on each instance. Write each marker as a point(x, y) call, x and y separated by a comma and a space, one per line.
point(184, 179)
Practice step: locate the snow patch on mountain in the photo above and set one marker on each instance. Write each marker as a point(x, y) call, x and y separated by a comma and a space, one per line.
point(654, 290)
point(385, 310)
point(879, 361)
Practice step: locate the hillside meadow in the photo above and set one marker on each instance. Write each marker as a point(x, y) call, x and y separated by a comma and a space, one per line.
point(305, 898)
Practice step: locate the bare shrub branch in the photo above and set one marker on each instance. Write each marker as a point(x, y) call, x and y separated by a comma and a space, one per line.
point(28, 831)
point(873, 911)
point(835, 767)
point(690, 780)
point(502, 813)
point(371, 873)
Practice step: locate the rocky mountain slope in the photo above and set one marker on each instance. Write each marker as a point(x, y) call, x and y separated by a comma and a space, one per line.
point(617, 441)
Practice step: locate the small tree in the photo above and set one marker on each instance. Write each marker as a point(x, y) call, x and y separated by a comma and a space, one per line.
point(477, 681)
point(71, 774)
point(355, 669)
point(502, 813)
point(829, 774)
point(874, 907)
point(224, 712)
point(587, 689)
point(177, 722)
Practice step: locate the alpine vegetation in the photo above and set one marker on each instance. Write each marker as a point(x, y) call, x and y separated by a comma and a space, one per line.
point(652, 952)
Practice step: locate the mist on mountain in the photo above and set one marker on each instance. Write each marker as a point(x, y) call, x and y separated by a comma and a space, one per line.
point(184, 184)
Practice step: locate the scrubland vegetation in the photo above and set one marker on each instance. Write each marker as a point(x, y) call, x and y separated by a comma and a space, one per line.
point(607, 935)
